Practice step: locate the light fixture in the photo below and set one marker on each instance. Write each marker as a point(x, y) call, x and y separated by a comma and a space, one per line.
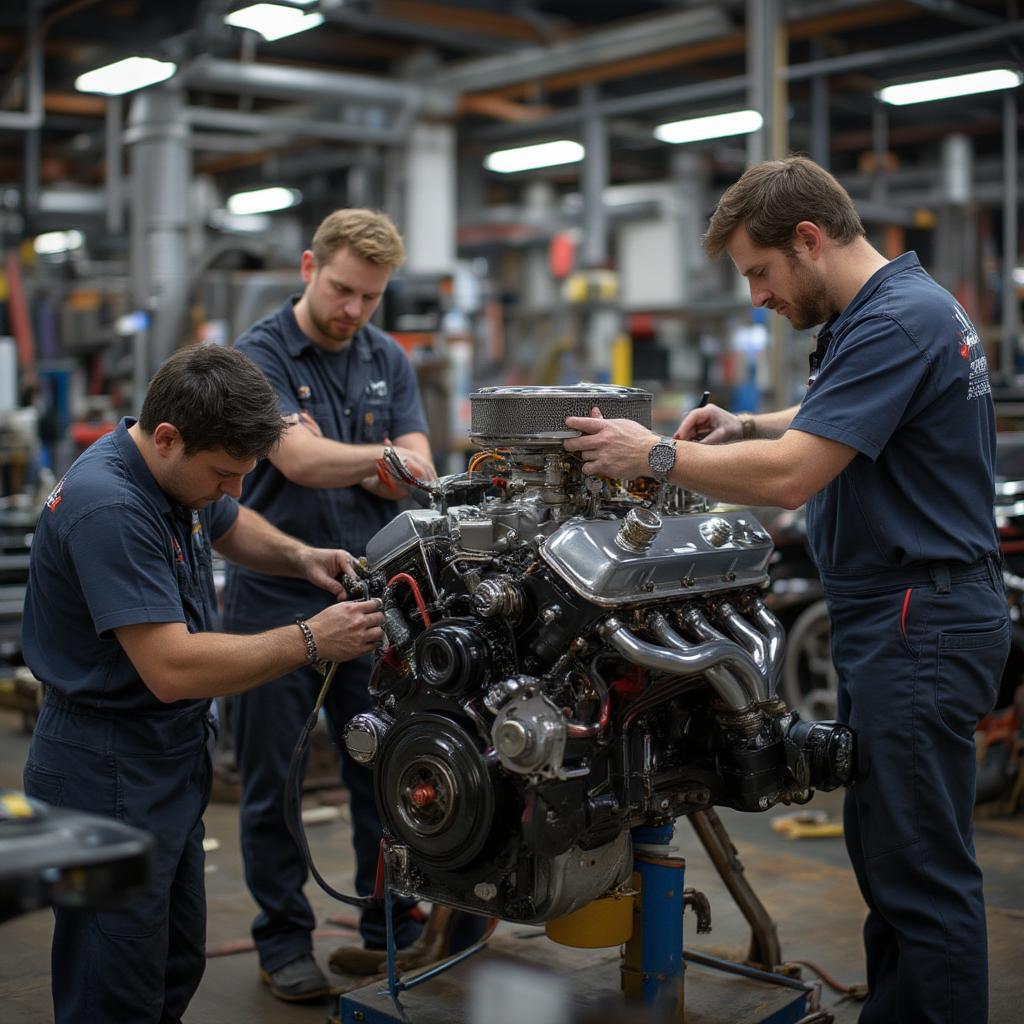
point(953, 85)
point(263, 200)
point(273, 21)
point(529, 158)
point(714, 126)
point(54, 242)
point(125, 76)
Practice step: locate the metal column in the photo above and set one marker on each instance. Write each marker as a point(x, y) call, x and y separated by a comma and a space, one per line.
point(161, 172)
point(766, 92)
point(595, 180)
point(1010, 311)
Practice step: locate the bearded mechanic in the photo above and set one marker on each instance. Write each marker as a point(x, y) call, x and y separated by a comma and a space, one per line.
point(892, 450)
point(348, 390)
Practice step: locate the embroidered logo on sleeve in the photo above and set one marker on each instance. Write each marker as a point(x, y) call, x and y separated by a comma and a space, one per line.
point(971, 351)
point(55, 497)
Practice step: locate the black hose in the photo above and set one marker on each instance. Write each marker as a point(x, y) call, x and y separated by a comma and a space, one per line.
point(293, 802)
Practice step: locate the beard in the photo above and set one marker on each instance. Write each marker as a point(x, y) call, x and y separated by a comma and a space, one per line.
point(810, 304)
point(329, 328)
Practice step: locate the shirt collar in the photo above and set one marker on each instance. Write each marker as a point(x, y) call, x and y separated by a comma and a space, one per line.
point(140, 472)
point(908, 261)
point(296, 342)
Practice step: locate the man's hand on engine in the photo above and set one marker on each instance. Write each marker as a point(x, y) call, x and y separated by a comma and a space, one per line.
point(420, 467)
point(612, 448)
point(348, 629)
point(322, 566)
point(710, 425)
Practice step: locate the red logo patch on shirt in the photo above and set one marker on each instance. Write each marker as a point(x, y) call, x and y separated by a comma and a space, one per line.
point(55, 497)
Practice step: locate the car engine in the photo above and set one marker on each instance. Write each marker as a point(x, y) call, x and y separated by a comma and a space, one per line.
point(567, 658)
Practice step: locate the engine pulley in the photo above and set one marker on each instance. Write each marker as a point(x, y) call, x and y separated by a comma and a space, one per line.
point(434, 791)
point(453, 657)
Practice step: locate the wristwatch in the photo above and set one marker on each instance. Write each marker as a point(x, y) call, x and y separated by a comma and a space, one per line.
point(661, 458)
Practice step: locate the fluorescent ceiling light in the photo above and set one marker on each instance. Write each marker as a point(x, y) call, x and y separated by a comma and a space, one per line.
point(125, 76)
point(716, 126)
point(54, 242)
point(273, 21)
point(954, 85)
point(528, 158)
point(263, 200)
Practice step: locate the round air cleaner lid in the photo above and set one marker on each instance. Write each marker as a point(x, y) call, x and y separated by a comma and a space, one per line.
point(534, 416)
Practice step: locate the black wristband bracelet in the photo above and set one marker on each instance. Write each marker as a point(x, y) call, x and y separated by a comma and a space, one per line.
point(312, 655)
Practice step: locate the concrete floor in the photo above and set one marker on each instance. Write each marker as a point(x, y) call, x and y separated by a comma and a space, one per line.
point(806, 885)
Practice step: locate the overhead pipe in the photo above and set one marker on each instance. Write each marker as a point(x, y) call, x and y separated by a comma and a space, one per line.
point(603, 46)
point(897, 56)
point(737, 85)
point(291, 83)
point(270, 124)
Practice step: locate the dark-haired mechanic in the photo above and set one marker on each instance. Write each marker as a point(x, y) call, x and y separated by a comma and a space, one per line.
point(892, 449)
point(120, 626)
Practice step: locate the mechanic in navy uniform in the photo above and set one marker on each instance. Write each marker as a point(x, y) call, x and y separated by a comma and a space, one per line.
point(348, 390)
point(892, 449)
point(119, 624)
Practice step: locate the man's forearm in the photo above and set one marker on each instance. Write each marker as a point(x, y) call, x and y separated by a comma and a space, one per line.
point(323, 462)
point(220, 664)
point(744, 473)
point(255, 544)
point(769, 425)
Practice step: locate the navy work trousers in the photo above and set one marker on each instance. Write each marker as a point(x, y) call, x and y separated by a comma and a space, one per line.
point(143, 963)
point(267, 724)
point(919, 660)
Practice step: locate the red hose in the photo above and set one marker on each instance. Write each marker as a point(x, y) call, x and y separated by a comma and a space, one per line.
point(404, 577)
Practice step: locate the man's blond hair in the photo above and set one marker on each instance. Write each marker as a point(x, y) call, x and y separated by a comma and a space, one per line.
point(369, 234)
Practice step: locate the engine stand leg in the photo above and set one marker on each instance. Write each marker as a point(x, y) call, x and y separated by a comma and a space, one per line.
point(652, 972)
point(764, 939)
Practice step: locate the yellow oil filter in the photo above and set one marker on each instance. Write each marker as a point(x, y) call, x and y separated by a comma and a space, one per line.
point(601, 923)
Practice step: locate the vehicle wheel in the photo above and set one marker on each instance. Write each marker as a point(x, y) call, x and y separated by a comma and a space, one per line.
point(809, 680)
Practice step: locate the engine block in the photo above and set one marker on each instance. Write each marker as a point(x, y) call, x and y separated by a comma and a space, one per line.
point(568, 658)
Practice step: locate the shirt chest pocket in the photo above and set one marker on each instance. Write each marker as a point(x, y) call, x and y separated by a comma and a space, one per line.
point(375, 419)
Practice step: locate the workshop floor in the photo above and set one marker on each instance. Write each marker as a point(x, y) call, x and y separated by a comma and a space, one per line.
point(806, 885)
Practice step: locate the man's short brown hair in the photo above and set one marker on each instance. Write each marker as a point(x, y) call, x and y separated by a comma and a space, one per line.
point(771, 198)
point(369, 234)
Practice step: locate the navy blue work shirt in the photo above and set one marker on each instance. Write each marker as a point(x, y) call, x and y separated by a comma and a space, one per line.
point(902, 377)
point(361, 395)
point(112, 549)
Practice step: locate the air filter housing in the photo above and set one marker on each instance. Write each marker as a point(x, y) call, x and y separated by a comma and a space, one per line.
point(534, 417)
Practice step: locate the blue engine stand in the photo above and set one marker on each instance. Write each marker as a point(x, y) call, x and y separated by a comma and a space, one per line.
point(651, 971)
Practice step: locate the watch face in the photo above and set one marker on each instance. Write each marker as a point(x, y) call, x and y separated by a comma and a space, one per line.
point(662, 457)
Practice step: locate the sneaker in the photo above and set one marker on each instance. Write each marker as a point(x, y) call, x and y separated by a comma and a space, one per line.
point(300, 981)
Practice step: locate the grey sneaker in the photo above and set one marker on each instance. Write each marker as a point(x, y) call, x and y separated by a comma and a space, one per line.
point(300, 981)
